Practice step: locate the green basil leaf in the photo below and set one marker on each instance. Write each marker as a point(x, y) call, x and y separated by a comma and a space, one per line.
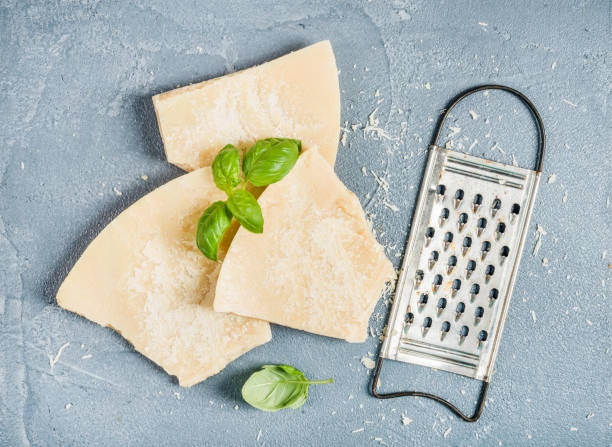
point(226, 168)
point(270, 160)
point(275, 387)
point(245, 208)
point(212, 225)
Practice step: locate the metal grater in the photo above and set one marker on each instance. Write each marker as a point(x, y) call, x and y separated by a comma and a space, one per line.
point(460, 263)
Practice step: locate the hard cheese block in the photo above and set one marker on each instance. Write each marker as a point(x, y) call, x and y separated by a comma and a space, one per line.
point(294, 96)
point(316, 267)
point(144, 277)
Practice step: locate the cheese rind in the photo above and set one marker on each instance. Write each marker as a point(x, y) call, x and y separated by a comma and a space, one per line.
point(144, 277)
point(316, 267)
point(294, 96)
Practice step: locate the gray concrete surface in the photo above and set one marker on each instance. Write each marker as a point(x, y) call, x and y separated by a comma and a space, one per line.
point(76, 78)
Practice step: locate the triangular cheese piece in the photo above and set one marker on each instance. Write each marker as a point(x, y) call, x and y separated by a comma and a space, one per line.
point(316, 267)
point(144, 276)
point(294, 96)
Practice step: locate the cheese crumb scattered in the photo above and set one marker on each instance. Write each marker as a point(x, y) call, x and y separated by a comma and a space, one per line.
point(119, 193)
point(236, 407)
point(343, 139)
point(496, 147)
point(391, 206)
point(359, 430)
point(589, 322)
point(68, 406)
point(54, 360)
point(427, 86)
point(86, 356)
point(258, 435)
point(533, 315)
point(447, 432)
point(573, 429)
point(144, 177)
point(405, 419)
point(473, 114)
point(22, 166)
point(368, 362)
point(539, 233)
point(552, 178)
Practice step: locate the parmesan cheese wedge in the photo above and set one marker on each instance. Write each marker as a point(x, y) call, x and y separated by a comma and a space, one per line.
point(294, 96)
point(316, 267)
point(144, 277)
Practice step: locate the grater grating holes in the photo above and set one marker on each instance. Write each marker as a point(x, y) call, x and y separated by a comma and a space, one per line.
point(484, 250)
point(441, 305)
point(458, 198)
point(444, 216)
point(481, 225)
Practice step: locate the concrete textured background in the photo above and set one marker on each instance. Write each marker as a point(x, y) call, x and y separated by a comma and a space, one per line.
point(77, 128)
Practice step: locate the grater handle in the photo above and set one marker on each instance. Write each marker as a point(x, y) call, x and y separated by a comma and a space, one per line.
point(454, 409)
point(522, 97)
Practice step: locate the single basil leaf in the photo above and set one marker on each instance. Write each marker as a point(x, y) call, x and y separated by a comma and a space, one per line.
point(226, 168)
point(211, 228)
point(245, 208)
point(275, 387)
point(270, 160)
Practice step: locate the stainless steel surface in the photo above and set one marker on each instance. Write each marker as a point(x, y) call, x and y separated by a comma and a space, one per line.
point(460, 263)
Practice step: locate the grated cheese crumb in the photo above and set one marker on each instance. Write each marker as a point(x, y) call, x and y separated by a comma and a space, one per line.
point(68, 406)
point(86, 356)
point(473, 114)
point(405, 419)
point(119, 193)
point(447, 432)
point(573, 429)
point(427, 86)
point(144, 177)
point(368, 362)
point(552, 178)
point(358, 430)
point(533, 315)
point(343, 139)
point(54, 360)
point(391, 206)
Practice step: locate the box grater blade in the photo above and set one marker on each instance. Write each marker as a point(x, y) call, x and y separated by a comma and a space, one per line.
point(460, 263)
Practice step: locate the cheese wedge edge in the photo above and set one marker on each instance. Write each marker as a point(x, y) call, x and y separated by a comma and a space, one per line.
point(144, 276)
point(316, 267)
point(294, 96)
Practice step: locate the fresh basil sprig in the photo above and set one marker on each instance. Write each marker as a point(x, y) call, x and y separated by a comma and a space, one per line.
point(226, 168)
point(266, 162)
point(211, 228)
point(246, 210)
point(275, 387)
point(270, 160)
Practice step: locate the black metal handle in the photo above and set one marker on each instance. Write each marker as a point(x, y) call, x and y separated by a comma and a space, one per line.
point(522, 97)
point(454, 409)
